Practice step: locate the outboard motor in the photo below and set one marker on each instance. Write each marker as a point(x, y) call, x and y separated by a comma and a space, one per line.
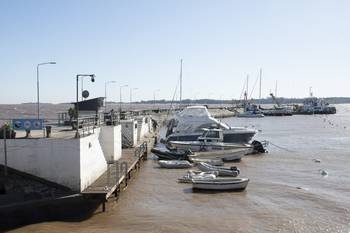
point(236, 169)
point(258, 147)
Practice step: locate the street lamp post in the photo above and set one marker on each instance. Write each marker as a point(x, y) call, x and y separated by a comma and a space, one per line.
point(154, 98)
point(131, 89)
point(106, 83)
point(37, 85)
point(82, 87)
point(120, 99)
point(92, 76)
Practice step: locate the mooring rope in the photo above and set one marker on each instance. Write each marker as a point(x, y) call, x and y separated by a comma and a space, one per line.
point(282, 148)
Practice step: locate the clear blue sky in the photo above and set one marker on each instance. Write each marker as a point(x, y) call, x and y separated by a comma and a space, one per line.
point(139, 43)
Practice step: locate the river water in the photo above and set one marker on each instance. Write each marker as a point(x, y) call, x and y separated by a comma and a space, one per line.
point(286, 193)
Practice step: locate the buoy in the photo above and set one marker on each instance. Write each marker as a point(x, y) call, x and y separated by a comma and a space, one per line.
point(316, 160)
point(324, 173)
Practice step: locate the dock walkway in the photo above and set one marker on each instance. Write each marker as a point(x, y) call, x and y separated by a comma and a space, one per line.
point(119, 172)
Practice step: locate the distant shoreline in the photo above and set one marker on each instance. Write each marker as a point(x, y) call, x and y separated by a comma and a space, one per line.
point(282, 100)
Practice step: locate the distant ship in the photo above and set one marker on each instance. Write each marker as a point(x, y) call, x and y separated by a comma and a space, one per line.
point(277, 110)
point(314, 105)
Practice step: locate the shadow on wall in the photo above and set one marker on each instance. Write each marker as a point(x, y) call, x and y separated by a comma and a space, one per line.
point(71, 209)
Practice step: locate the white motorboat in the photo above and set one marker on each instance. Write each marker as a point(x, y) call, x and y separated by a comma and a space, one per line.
point(225, 155)
point(236, 184)
point(188, 125)
point(211, 139)
point(222, 171)
point(174, 164)
point(197, 175)
point(196, 146)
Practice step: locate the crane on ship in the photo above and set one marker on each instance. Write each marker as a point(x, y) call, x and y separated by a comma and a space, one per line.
point(275, 100)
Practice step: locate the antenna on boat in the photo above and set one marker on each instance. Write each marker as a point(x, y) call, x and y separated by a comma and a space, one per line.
point(310, 90)
point(180, 80)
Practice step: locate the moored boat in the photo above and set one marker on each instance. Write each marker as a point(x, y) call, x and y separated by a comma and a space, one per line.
point(314, 105)
point(211, 139)
point(197, 175)
point(188, 125)
point(214, 161)
point(174, 164)
point(225, 155)
point(222, 171)
point(196, 146)
point(236, 184)
point(164, 154)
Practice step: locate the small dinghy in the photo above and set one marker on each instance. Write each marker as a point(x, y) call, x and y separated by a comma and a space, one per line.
point(214, 162)
point(226, 155)
point(165, 154)
point(236, 184)
point(174, 164)
point(223, 171)
point(197, 175)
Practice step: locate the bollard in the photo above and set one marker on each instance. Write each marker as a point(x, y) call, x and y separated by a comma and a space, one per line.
point(28, 135)
point(48, 131)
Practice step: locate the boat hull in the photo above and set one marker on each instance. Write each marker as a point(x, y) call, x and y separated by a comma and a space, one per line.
point(229, 137)
point(164, 154)
point(238, 184)
point(222, 171)
point(260, 115)
point(174, 164)
point(197, 146)
point(226, 155)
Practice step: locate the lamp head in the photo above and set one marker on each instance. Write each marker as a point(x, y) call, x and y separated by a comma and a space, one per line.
point(52, 63)
point(92, 78)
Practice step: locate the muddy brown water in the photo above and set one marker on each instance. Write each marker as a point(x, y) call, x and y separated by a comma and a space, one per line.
point(286, 193)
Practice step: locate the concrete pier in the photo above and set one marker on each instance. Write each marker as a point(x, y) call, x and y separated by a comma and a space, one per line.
point(120, 171)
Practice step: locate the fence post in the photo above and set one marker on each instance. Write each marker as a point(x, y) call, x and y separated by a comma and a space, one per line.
point(108, 175)
point(5, 150)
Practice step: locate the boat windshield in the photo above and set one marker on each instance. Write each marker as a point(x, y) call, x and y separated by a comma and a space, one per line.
point(213, 134)
point(194, 112)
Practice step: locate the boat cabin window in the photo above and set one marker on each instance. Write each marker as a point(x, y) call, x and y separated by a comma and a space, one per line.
point(212, 134)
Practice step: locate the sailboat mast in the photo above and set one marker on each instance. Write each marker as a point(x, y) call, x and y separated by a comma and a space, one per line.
point(260, 87)
point(180, 80)
point(247, 87)
point(276, 89)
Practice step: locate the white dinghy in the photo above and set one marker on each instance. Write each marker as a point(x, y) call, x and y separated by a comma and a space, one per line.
point(191, 174)
point(236, 184)
point(174, 164)
point(222, 171)
point(226, 155)
point(214, 161)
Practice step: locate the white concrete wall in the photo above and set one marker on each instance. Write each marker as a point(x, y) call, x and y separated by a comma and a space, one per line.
point(92, 159)
point(56, 160)
point(110, 139)
point(129, 131)
point(74, 163)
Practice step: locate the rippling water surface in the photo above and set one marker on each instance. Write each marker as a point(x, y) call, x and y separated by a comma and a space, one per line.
point(286, 193)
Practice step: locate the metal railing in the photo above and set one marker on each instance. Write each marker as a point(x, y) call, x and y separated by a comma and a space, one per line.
point(117, 169)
